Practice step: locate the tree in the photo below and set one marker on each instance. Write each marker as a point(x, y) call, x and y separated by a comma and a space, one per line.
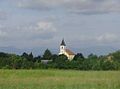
point(92, 56)
point(3, 54)
point(25, 55)
point(54, 57)
point(29, 57)
point(47, 55)
point(61, 58)
point(60, 62)
point(78, 57)
point(16, 61)
point(38, 59)
point(5, 62)
point(115, 56)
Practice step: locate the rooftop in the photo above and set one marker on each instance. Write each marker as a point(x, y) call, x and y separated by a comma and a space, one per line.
point(69, 52)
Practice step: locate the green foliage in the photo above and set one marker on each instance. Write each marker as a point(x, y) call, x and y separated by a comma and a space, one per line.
point(60, 61)
point(3, 54)
point(78, 57)
point(28, 61)
point(37, 59)
point(92, 56)
point(47, 55)
point(115, 56)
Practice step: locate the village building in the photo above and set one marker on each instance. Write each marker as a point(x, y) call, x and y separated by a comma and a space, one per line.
point(66, 51)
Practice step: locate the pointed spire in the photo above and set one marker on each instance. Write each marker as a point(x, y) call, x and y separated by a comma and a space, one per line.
point(63, 43)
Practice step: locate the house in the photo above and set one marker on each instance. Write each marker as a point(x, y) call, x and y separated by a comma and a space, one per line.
point(65, 51)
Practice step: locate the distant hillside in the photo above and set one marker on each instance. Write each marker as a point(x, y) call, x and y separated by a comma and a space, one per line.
point(99, 50)
point(11, 50)
point(35, 51)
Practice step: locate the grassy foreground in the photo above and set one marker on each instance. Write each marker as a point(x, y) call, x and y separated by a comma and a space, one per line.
point(59, 79)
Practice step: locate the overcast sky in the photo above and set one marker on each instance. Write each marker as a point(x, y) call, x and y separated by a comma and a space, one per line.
point(44, 23)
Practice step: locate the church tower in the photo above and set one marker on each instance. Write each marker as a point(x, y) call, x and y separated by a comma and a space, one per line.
point(63, 50)
point(62, 47)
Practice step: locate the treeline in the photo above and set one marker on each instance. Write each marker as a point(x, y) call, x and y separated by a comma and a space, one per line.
point(53, 61)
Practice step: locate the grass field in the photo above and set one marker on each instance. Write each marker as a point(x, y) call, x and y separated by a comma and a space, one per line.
point(59, 79)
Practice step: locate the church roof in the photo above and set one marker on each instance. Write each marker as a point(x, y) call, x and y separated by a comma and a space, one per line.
point(63, 43)
point(69, 52)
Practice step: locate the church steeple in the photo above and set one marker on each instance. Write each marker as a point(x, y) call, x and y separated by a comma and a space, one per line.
point(65, 51)
point(62, 47)
point(63, 43)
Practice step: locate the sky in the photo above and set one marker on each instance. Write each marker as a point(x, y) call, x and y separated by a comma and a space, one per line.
point(28, 24)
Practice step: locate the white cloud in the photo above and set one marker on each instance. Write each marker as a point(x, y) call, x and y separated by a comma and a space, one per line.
point(104, 38)
point(108, 37)
point(72, 27)
point(2, 15)
point(2, 34)
point(75, 6)
point(41, 3)
point(46, 26)
point(40, 30)
point(34, 34)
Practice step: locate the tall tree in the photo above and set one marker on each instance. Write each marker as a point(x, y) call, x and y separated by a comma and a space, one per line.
point(78, 57)
point(25, 55)
point(38, 59)
point(47, 55)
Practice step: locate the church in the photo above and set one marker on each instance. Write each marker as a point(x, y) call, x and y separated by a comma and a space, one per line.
point(65, 51)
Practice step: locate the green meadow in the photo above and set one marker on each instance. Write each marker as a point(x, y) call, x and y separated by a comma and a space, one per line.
point(59, 79)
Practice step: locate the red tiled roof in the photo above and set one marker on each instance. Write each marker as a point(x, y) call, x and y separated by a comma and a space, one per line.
point(69, 52)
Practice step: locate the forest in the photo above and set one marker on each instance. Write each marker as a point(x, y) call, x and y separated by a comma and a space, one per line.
point(54, 61)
